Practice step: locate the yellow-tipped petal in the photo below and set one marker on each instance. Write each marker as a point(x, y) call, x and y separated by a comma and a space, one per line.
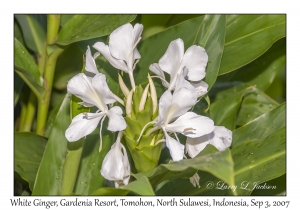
point(123, 86)
point(153, 93)
point(144, 98)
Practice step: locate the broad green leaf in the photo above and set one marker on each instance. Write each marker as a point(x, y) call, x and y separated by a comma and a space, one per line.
point(260, 127)
point(18, 32)
point(207, 31)
point(28, 152)
point(64, 18)
point(49, 176)
point(258, 161)
point(254, 103)
point(83, 27)
point(223, 112)
point(69, 63)
point(249, 36)
point(263, 70)
point(27, 69)
point(279, 183)
point(18, 84)
point(219, 164)
point(33, 31)
point(211, 36)
point(141, 186)
point(209, 185)
point(155, 23)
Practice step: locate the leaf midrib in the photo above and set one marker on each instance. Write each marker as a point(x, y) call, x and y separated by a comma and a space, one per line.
point(255, 32)
point(260, 162)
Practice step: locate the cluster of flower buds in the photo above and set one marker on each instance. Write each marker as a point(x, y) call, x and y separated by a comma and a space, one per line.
point(148, 123)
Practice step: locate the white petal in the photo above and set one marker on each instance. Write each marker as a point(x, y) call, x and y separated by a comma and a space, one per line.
point(116, 121)
point(104, 50)
point(126, 176)
point(183, 83)
point(184, 99)
point(221, 138)
point(100, 85)
point(112, 166)
point(90, 65)
point(195, 59)
point(137, 32)
point(164, 104)
point(121, 43)
point(156, 70)
point(171, 60)
point(175, 147)
point(192, 125)
point(201, 88)
point(195, 145)
point(82, 125)
point(86, 104)
point(80, 86)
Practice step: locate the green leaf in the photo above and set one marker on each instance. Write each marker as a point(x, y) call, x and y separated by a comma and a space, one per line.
point(141, 186)
point(258, 161)
point(211, 36)
point(155, 23)
point(263, 70)
point(253, 104)
point(219, 164)
point(279, 183)
point(49, 176)
point(18, 84)
point(249, 36)
point(28, 152)
point(33, 28)
point(261, 127)
point(64, 18)
point(83, 27)
point(69, 63)
point(183, 187)
point(223, 112)
point(18, 32)
point(27, 69)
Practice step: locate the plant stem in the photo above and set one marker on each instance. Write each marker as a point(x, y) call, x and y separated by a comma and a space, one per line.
point(30, 113)
point(53, 22)
point(48, 81)
point(48, 63)
point(22, 116)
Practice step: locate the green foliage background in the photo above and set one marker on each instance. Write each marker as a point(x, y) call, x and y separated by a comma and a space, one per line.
point(246, 74)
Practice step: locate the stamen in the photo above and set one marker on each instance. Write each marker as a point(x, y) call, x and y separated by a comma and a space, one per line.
point(152, 122)
point(160, 141)
point(188, 129)
point(153, 94)
point(100, 147)
point(161, 79)
point(152, 130)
